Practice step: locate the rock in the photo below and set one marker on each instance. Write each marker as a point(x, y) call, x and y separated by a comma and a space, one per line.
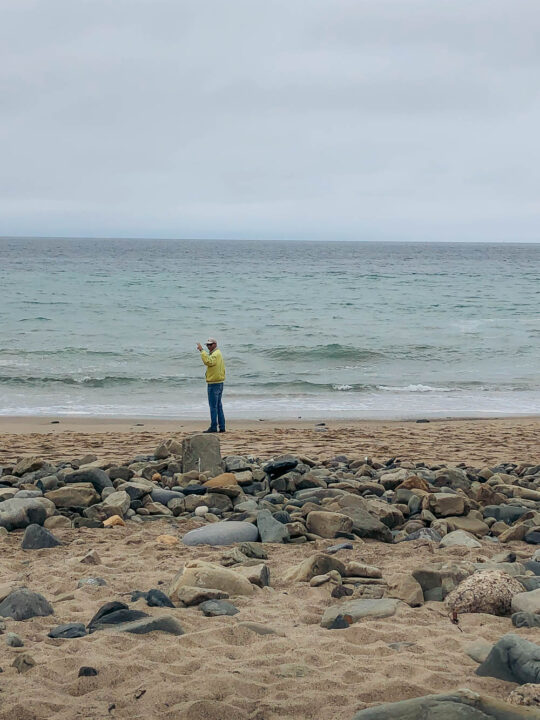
point(527, 695)
point(279, 467)
point(22, 604)
point(202, 510)
point(221, 533)
point(460, 538)
point(365, 525)
point(439, 579)
point(328, 524)
point(340, 546)
point(23, 663)
point(423, 534)
point(358, 609)
point(270, 530)
point(356, 569)
point(479, 650)
point(533, 537)
point(114, 521)
point(505, 513)
point(407, 589)
point(68, 631)
point(528, 602)
point(444, 504)
point(260, 629)
point(201, 453)
point(488, 591)
point(332, 576)
point(533, 566)
point(36, 538)
point(459, 705)
point(87, 671)
point(198, 573)
point(513, 659)
point(157, 598)
point(114, 613)
point(139, 488)
point(163, 623)
point(21, 512)
point(256, 574)
point(119, 501)
point(28, 464)
point(92, 581)
point(525, 619)
point(318, 564)
point(74, 495)
point(91, 558)
point(225, 483)
point(97, 477)
point(13, 640)
point(195, 596)
point(339, 591)
point(57, 522)
point(215, 608)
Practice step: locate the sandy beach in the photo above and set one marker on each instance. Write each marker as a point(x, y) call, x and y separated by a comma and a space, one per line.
point(222, 668)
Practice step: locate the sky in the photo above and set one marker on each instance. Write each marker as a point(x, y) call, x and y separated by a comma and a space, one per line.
point(271, 119)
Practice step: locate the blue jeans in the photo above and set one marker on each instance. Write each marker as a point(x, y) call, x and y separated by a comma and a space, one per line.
point(215, 391)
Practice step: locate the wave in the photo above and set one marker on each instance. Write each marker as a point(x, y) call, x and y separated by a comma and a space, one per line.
point(414, 388)
point(332, 351)
point(92, 382)
point(68, 351)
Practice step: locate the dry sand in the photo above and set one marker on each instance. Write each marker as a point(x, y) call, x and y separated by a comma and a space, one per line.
point(220, 670)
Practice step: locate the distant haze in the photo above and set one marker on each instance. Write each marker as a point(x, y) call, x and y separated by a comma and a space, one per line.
point(280, 119)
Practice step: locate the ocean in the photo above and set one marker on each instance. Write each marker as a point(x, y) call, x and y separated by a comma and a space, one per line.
point(308, 329)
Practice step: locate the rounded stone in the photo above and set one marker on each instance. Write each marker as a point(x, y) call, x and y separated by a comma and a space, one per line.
point(222, 533)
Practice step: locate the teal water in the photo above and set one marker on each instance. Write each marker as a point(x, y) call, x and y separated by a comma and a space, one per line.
point(367, 330)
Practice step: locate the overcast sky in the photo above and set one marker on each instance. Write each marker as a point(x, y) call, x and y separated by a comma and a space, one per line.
point(293, 119)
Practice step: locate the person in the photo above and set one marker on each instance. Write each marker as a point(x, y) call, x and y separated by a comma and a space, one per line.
point(215, 376)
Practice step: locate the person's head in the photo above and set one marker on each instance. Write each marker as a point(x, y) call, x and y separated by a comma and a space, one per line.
point(211, 344)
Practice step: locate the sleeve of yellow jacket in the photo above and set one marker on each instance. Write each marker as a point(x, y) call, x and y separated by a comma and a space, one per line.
point(215, 366)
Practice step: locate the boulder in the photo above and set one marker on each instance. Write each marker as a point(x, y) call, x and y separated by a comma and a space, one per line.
point(487, 591)
point(270, 530)
point(256, 574)
point(459, 705)
point(22, 604)
point(328, 524)
point(36, 537)
point(444, 504)
point(97, 477)
point(366, 525)
point(358, 609)
point(198, 573)
point(222, 533)
point(513, 659)
point(119, 501)
point(202, 453)
point(74, 495)
point(460, 538)
point(20, 512)
point(528, 602)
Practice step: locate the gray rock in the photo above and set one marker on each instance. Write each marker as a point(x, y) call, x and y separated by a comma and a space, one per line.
point(358, 609)
point(525, 619)
point(513, 659)
point(163, 623)
point(68, 631)
point(13, 640)
point(236, 463)
point(28, 464)
point(164, 496)
point(528, 602)
point(222, 533)
point(506, 513)
point(270, 530)
point(28, 494)
point(366, 525)
point(23, 604)
point(92, 581)
point(214, 608)
point(423, 534)
point(114, 613)
point(340, 546)
point(479, 650)
point(36, 538)
point(532, 565)
point(460, 538)
point(460, 705)
point(99, 478)
point(20, 512)
point(202, 453)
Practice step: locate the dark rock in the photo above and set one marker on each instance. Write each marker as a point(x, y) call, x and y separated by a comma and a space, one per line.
point(339, 623)
point(513, 659)
point(86, 671)
point(270, 530)
point(533, 566)
point(68, 631)
point(530, 582)
point(214, 608)
point(23, 604)
point(163, 623)
point(341, 591)
point(506, 513)
point(79, 522)
point(120, 473)
point(194, 490)
point(37, 537)
point(459, 705)
point(533, 538)
point(282, 516)
point(366, 525)
point(157, 598)
point(99, 478)
point(280, 467)
point(525, 619)
point(114, 613)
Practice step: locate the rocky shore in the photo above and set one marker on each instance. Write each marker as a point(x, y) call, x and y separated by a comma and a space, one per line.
point(269, 548)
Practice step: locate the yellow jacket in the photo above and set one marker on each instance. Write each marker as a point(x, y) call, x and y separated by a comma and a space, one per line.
point(215, 366)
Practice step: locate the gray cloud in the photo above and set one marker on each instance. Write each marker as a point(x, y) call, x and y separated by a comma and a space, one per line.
point(364, 119)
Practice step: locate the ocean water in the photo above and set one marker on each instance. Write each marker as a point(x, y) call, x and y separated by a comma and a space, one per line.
point(312, 330)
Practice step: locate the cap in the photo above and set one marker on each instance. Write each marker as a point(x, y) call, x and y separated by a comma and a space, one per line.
point(211, 341)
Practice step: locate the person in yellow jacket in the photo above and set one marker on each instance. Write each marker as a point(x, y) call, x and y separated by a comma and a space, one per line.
point(215, 377)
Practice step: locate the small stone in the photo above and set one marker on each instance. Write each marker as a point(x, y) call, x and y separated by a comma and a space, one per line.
point(215, 608)
point(37, 537)
point(23, 663)
point(201, 510)
point(113, 521)
point(340, 591)
point(195, 596)
point(336, 548)
point(525, 619)
point(13, 640)
point(460, 538)
point(87, 671)
point(163, 623)
point(332, 576)
point(91, 558)
point(157, 598)
point(68, 631)
point(92, 581)
point(167, 540)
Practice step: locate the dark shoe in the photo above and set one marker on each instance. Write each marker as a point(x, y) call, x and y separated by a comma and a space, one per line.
point(210, 430)
point(222, 430)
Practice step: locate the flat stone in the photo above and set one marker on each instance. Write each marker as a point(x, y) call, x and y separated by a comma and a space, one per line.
point(22, 604)
point(23, 663)
point(460, 538)
point(358, 609)
point(214, 608)
point(36, 538)
point(202, 453)
point(164, 623)
point(74, 495)
point(68, 631)
point(222, 533)
point(195, 596)
point(28, 464)
point(513, 659)
point(528, 602)
point(270, 530)
point(114, 613)
point(198, 573)
point(97, 477)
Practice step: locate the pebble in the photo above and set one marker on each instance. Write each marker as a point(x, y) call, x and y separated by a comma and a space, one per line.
point(13, 640)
